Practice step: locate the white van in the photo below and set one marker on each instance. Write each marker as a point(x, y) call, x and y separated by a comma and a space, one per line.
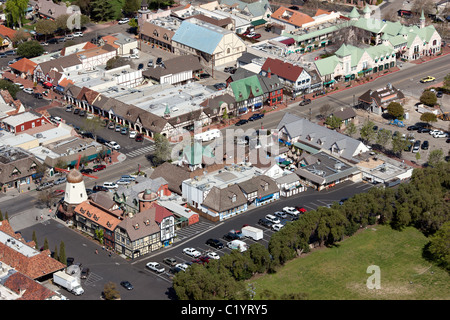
point(208, 135)
point(237, 245)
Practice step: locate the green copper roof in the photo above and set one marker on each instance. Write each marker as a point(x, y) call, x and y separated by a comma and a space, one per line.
point(354, 13)
point(343, 51)
point(243, 88)
point(367, 9)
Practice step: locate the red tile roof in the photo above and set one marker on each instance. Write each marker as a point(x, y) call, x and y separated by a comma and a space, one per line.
point(282, 69)
point(291, 16)
point(24, 65)
point(35, 266)
point(27, 288)
point(7, 32)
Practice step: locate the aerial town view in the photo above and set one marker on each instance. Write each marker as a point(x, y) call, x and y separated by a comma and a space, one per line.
point(237, 150)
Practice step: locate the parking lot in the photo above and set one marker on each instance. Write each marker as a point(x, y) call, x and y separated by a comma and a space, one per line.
point(128, 146)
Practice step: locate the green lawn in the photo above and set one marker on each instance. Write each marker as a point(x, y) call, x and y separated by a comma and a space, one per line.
point(339, 273)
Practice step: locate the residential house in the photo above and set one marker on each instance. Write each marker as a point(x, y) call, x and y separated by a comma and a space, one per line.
point(6, 36)
point(347, 115)
point(376, 101)
point(48, 9)
point(124, 44)
point(216, 46)
point(296, 79)
point(221, 204)
point(290, 19)
point(178, 70)
point(260, 190)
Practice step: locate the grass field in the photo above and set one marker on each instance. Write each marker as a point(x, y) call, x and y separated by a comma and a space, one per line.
point(339, 273)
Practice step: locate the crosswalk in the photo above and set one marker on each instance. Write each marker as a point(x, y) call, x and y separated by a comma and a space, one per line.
point(140, 151)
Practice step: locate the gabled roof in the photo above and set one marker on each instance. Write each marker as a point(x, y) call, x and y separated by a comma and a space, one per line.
point(293, 17)
point(220, 200)
point(262, 185)
point(7, 32)
point(24, 65)
point(174, 66)
point(282, 69)
point(200, 37)
point(243, 89)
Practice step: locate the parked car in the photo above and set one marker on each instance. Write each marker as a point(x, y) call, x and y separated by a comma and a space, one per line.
point(38, 95)
point(229, 69)
point(124, 20)
point(277, 227)
point(111, 125)
point(300, 209)
point(265, 223)
point(69, 108)
point(204, 75)
point(128, 177)
point(291, 210)
point(280, 214)
point(256, 36)
point(304, 102)
point(58, 192)
point(82, 113)
point(214, 243)
point(44, 185)
point(150, 63)
point(413, 128)
point(85, 273)
point(28, 90)
point(118, 128)
point(220, 86)
point(127, 285)
point(78, 34)
point(100, 188)
point(139, 138)
point(182, 266)
point(110, 185)
point(416, 146)
point(99, 167)
point(3, 55)
point(425, 145)
point(170, 261)
point(439, 94)
point(241, 122)
point(341, 202)
point(159, 60)
point(133, 134)
point(251, 35)
point(60, 180)
point(69, 37)
point(175, 270)
point(191, 252)
point(124, 131)
point(213, 255)
point(256, 116)
point(123, 182)
point(87, 171)
point(272, 218)
point(19, 85)
point(441, 135)
point(113, 145)
point(230, 236)
point(102, 140)
point(424, 130)
point(76, 111)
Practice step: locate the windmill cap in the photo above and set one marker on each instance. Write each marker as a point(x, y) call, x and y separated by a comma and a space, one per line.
point(74, 176)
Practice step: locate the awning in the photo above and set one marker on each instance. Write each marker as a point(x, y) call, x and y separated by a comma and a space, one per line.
point(288, 42)
point(258, 22)
point(306, 148)
point(348, 76)
point(329, 82)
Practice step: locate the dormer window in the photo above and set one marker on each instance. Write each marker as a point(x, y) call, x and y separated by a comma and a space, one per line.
point(136, 226)
point(233, 198)
point(147, 222)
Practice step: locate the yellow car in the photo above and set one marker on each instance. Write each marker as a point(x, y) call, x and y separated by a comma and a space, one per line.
point(427, 79)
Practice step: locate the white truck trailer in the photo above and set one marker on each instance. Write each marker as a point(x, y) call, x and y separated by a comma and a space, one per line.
point(68, 282)
point(252, 232)
point(208, 135)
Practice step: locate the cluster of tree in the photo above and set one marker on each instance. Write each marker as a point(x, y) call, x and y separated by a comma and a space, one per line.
point(422, 203)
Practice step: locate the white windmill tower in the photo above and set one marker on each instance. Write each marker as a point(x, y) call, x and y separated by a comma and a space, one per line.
point(75, 189)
